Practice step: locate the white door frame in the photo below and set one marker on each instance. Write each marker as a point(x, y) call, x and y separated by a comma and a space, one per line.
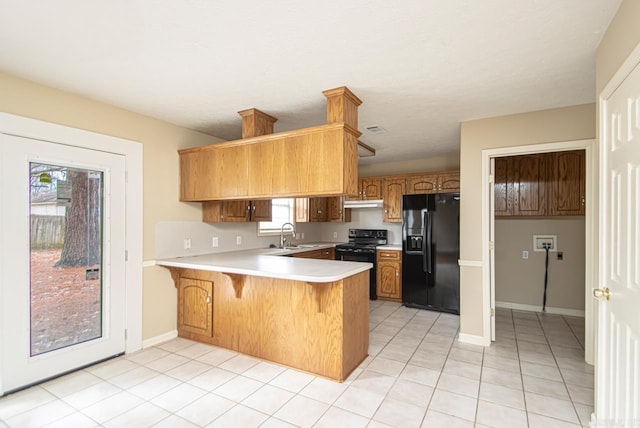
point(132, 151)
point(591, 230)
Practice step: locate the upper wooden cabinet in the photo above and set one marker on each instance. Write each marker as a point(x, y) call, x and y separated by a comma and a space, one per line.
point(236, 211)
point(317, 161)
point(449, 182)
point(392, 191)
point(424, 183)
point(368, 188)
point(566, 186)
point(545, 184)
point(329, 209)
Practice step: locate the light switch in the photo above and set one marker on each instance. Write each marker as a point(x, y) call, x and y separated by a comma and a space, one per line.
point(525, 254)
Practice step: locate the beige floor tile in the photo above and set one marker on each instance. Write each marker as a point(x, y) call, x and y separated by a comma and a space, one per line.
point(188, 370)
point(145, 356)
point(239, 416)
point(23, 401)
point(551, 407)
point(176, 344)
point(324, 390)
point(264, 371)
point(399, 413)
point(373, 381)
point(212, 379)
point(178, 397)
point(276, 423)
point(42, 415)
point(502, 378)
point(292, 380)
point(359, 401)
point(454, 404)
point(580, 394)
point(434, 419)
point(545, 387)
point(385, 366)
point(91, 395)
point(539, 421)
point(74, 420)
point(421, 375)
point(336, 417)
point(411, 392)
point(459, 385)
point(71, 383)
point(133, 377)
point(166, 363)
point(195, 350)
point(540, 370)
point(238, 388)
point(584, 413)
point(217, 356)
point(173, 421)
point(538, 358)
point(301, 411)
point(239, 364)
point(471, 371)
point(268, 399)
point(499, 416)
point(117, 366)
point(112, 407)
point(153, 387)
point(464, 355)
point(502, 395)
point(205, 409)
point(144, 415)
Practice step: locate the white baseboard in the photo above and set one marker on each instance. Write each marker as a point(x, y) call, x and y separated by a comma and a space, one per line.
point(472, 339)
point(533, 308)
point(152, 341)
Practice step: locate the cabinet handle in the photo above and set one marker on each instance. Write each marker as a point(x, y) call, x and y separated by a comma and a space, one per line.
point(208, 300)
point(397, 273)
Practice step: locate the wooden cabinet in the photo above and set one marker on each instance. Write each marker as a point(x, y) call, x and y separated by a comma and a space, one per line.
point(545, 184)
point(329, 209)
point(449, 182)
point(324, 253)
point(419, 184)
point(389, 275)
point(371, 188)
point(392, 191)
point(566, 183)
point(195, 307)
point(336, 212)
point(236, 211)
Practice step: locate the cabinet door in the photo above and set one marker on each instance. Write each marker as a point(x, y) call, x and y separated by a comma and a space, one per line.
point(371, 188)
point(503, 203)
point(261, 210)
point(448, 182)
point(359, 195)
point(317, 209)
point(392, 191)
point(236, 211)
point(420, 184)
point(529, 185)
point(388, 274)
point(336, 211)
point(195, 306)
point(566, 186)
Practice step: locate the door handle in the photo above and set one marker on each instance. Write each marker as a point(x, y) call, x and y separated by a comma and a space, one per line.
point(599, 293)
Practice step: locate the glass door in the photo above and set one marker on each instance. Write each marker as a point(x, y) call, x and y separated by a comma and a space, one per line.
point(62, 286)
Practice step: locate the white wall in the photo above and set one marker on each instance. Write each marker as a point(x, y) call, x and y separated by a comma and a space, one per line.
point(361, 218)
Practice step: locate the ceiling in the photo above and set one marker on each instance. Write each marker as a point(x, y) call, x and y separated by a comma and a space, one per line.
point(420, 66)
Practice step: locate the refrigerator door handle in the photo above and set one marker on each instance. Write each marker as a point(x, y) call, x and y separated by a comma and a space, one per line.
point(426, 250)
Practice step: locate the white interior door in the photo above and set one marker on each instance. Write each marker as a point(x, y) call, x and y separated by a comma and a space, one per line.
point(492, 251)
point(618, 351)
point(62, 287)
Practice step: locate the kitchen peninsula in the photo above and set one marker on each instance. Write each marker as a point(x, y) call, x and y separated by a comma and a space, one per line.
point(308, 314)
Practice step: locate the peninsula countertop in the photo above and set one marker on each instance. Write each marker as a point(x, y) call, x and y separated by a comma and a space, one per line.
point(268, 262)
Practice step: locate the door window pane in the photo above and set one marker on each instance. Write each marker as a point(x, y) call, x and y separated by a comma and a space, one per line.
point(65, 256)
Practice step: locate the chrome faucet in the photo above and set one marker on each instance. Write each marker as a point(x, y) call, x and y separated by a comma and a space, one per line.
point(283, 240)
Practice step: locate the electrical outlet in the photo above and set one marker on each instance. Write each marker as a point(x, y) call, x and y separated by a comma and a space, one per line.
point(238, 240)
point(335, 234)
point(214, 241)
point(560, 255)
point(525, 254)
point(301, 235)
point(187, 243)
point(539, 242)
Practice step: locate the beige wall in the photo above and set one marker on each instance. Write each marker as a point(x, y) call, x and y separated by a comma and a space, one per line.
point(521, 281)
point(437, 163)
point(545, 126)
point(622, 36)
point(160, 193)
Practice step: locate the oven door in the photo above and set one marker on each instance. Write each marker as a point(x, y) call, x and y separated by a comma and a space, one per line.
point(348, 255)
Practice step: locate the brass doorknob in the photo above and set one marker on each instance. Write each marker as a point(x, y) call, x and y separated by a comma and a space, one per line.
point(602, 292)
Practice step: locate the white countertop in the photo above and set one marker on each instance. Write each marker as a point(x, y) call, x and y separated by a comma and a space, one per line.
point(262, 262)
point(396, 247)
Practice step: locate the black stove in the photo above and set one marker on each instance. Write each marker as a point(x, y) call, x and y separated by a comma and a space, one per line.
point(362, 248)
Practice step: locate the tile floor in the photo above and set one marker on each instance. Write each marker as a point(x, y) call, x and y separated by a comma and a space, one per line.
point(417, 375)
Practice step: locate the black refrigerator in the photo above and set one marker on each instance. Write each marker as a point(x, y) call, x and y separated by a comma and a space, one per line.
point(431, 249)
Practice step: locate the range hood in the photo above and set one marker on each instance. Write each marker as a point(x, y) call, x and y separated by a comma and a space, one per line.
point(372, 203)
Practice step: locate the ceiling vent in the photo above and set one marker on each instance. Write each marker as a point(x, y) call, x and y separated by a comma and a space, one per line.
point(375, 129)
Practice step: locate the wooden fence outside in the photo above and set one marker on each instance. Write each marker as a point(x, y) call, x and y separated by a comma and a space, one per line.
point(47, 231)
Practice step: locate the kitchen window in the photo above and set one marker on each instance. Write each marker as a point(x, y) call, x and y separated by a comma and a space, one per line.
point(282, 211)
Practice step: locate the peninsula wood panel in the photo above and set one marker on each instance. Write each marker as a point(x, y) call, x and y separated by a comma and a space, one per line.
point(195, 309)
point(321, 328)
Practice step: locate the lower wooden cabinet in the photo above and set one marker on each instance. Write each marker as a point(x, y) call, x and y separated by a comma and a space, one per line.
point(389, 275)
point(195, 307)
point(324, 253)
